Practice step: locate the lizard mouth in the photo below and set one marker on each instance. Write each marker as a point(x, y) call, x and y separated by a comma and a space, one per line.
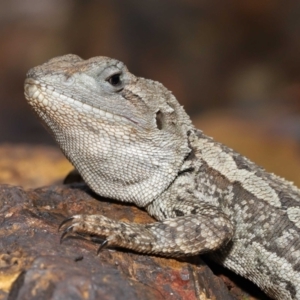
point(40, 96)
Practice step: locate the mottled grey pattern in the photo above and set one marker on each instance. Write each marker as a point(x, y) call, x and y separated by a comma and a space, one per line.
point(131, 140)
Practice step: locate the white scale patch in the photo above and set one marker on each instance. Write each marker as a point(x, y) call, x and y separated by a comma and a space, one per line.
point(224, 164)
point(294, 215)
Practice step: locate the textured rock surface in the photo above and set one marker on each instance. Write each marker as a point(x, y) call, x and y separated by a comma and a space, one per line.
point(34, 265)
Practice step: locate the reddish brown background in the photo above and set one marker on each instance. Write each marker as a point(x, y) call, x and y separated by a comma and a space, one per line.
point(234, 65)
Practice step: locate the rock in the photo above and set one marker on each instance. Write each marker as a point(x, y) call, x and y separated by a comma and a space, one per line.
point(34, 265)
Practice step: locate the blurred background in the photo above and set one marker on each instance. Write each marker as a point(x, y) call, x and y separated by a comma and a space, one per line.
point(234, 65)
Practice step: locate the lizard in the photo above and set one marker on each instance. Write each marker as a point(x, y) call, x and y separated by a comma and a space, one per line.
point(131, 140)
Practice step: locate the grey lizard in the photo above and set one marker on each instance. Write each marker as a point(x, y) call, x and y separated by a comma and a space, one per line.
point(131, 140)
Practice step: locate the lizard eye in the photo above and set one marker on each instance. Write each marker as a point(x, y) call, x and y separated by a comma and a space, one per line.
point(115, 80)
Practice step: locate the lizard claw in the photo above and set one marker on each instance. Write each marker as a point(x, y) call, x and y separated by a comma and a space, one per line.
point(92, 228)
point(102, 246)
point(65, 221)
point(66, 232)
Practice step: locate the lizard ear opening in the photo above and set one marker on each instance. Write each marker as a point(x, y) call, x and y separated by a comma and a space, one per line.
point(159, 119)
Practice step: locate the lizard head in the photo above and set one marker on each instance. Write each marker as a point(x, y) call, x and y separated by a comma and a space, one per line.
point(127, 136)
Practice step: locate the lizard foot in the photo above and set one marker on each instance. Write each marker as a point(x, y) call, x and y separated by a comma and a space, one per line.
point(67, 232)
point(187, 235)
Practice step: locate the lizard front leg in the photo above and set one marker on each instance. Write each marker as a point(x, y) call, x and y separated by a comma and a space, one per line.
point(181, 236)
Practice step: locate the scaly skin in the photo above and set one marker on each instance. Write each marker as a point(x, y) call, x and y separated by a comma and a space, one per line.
point(130, 140)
